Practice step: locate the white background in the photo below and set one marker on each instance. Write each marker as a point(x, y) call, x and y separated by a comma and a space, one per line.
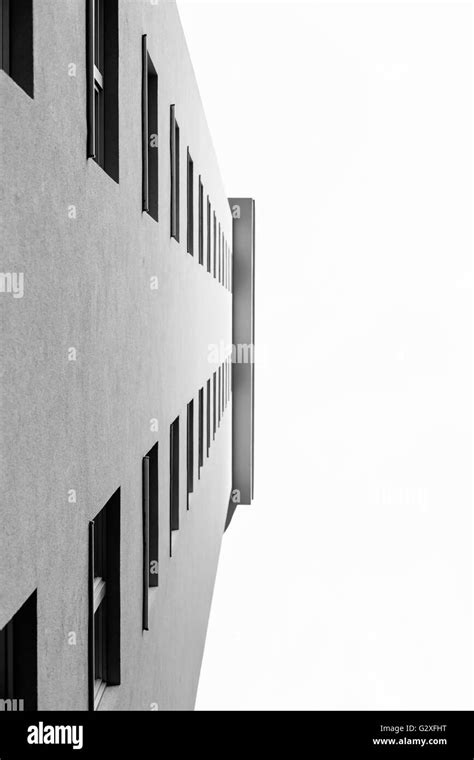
point(348, 583)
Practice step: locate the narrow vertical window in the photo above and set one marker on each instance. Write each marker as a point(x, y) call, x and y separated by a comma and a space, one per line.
point(219, 396)
point(208, 235)
point(215, 243)
point(208, 416)
point(16, 42)
point(104, 600)
point(201, 432)
point(174, 204)
point(219, 263)
point(150, 526)
point(190, 209)
point(102, 84)
point(223, 387)
point(201, 223)
point(174, 480)
point(18, 659)
point(214, 402)
point(190, 450)
point(222, 254)
point(149, 133)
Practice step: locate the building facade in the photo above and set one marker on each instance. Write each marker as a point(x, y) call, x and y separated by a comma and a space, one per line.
point(116, 297)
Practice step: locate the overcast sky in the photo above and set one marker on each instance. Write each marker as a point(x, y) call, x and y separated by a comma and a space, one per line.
point(347, 585)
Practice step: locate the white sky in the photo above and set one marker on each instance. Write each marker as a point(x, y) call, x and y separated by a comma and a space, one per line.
point(348, 584)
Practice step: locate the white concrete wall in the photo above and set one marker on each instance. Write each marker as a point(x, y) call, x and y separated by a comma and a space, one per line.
point(141, 354)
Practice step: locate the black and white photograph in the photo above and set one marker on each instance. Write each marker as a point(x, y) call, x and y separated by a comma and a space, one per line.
point(236, 339)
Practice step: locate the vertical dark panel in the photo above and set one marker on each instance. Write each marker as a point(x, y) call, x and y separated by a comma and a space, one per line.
point(145, 135)
point(201, 222)
point(152, 88)
point(154, 516)
point(91, 617)
point(174, 479)
point(21, 44)
point(111, 88)
point(22, 653)
point(201, 431)
point(146, 537)
point(208, 234)
point(172, 169)
point(208, 416)
point(174, 199)
point(113, 590)
point(190, 450)
point(214, 395)
point(177, 172)
point(190, 205)
point(215, 243)
point(91, 147)
point(5, 35)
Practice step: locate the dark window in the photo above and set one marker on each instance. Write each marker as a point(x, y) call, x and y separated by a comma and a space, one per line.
point(219, 263)
point(102, 84)
point(190, 450)
point(201, 432)
point(214, 402)
point(226, 266)
point(18, 659)
point(219, 396)
point(104, 600)
point(190, 188)
point(149, 133)
point(201, 222)
point(16, 42)
point(174, 141)
point(150, 526)
point(223, 387)
point(208, 235)
point(208, 416)
point(174, 480)
point(222, 256)
point(215, 242)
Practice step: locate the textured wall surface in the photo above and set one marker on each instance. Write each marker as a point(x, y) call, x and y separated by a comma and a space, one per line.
point(141, 354)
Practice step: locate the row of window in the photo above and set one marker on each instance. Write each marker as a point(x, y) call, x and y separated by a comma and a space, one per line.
point(18, 665)
point(102, 21)
point(218, 253)
point(105, 613)
point(213, 398)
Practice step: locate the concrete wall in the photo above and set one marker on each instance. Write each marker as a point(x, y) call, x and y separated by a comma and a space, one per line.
point(141, 354)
